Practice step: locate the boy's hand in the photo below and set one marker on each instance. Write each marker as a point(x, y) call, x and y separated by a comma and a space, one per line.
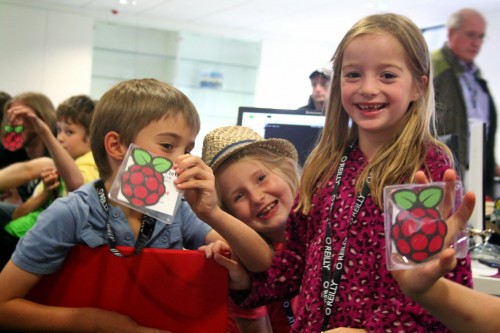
point(198, 182)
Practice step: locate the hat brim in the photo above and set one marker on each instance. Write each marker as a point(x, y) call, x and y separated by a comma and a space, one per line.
point(277, 146)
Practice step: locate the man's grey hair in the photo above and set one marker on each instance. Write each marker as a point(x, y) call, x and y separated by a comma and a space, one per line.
point(455, 21)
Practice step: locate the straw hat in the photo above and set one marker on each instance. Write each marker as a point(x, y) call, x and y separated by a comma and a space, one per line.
point(222, 142)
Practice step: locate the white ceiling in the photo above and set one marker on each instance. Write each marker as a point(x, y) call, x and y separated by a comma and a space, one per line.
point(315, 20)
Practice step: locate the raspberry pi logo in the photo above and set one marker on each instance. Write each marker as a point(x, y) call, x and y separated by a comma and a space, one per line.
point(419, 231)
point(12, 139)
point(142, 183)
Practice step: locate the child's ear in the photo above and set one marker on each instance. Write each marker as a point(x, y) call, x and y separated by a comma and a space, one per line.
point(114, 147)
point(421, 87)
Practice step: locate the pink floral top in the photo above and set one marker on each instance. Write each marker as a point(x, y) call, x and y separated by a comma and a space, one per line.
point(368, 297)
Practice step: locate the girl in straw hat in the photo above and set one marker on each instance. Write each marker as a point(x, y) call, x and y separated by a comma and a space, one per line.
point(334, 256)
point(256, 181)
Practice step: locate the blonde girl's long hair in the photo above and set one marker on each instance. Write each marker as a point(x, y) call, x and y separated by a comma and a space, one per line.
point(404, 153)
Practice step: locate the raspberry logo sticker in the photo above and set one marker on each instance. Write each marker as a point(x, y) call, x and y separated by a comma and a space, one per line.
point(143, 182)
point(12, 139)
point(418, 231)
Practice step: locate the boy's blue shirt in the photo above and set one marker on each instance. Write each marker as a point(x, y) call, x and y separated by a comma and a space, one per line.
point(80, 219)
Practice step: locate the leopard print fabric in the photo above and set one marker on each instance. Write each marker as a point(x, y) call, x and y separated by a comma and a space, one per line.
point(368, 297)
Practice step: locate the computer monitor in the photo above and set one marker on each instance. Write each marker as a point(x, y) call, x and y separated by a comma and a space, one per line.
point(301, 127)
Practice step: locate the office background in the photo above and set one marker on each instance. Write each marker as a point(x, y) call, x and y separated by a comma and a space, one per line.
point(62, 51)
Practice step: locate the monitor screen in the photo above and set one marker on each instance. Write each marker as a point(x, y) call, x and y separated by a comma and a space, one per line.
point(301, 127)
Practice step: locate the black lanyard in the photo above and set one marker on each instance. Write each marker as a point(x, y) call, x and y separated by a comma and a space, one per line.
point(287, 307)
point(147, 225)
point(330, 278)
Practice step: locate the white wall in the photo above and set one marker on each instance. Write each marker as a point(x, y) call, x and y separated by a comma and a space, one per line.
point(283, 80)
point(51, 52)
point(488, 61)
point(45, 51)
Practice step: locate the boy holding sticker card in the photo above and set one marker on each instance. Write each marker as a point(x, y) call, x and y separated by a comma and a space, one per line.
point(163, 122)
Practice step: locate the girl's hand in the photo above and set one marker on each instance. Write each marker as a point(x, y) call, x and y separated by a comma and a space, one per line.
point(217, 247)
point(50, 179)
point(420, 279)
point(239, 279)
point(198, 182)
point(19, 114)
point(458, 221)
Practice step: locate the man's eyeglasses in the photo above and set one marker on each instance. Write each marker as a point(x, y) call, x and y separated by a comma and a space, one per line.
point(473, 36)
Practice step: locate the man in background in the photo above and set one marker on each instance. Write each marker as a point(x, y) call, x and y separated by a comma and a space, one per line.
point(320, 81)
point(462, 95)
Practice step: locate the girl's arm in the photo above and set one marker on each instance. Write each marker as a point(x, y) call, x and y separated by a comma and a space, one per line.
point(66, 166)
point(19, 173)
point(198, 182)
point(38, 199)
point(460, 308)
point(17, 313)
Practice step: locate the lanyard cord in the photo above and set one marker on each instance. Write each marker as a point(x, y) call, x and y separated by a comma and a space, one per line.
point(331, 279)
point(147, 225)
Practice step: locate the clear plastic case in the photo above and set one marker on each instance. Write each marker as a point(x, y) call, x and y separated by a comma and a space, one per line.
point(416, 228)
point(146, 183)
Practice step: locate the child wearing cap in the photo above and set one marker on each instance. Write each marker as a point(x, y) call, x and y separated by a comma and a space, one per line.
point(163, 121)
point(256, 181)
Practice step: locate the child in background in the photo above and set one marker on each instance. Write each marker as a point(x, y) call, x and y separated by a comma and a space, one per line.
point(335, 244)
point(22, 177)
point(74, 165)
point(8, 157)
point(256, 181)
point(162, 120)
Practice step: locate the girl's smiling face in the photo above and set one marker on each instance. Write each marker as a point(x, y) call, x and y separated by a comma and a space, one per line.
point(256, 196)
point(376, 83)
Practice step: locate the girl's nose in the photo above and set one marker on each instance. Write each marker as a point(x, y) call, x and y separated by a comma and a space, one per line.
point(257, 195)
point(368, 87)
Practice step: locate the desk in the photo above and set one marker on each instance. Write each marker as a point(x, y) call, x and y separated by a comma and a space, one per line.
point(482, 281)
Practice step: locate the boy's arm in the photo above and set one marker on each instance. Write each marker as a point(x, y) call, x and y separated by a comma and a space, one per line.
point(17, 313)
point(19, 173)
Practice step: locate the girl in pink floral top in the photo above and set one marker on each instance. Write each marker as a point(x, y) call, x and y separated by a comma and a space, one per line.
point(335, 246)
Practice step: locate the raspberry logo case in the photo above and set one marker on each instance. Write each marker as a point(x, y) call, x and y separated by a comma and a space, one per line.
point(419, 231)
point(145, 183)
point(415, 222)
point(12, 139)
